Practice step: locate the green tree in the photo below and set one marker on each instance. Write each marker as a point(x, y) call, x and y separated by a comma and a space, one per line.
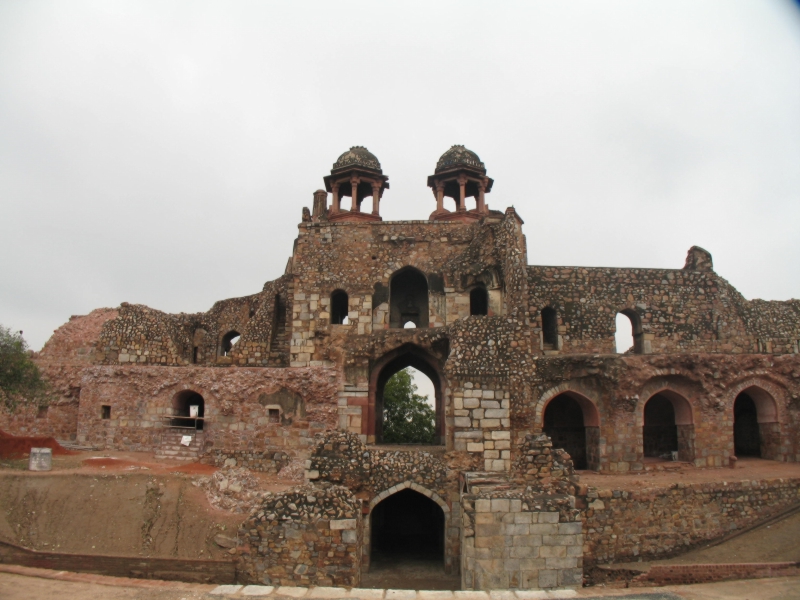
point(407, 417)
point(21, 383)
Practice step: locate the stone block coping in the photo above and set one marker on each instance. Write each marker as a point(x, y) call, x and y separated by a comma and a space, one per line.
point(337, 593)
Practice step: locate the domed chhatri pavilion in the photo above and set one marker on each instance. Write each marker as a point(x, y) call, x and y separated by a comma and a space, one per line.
point(528, 388)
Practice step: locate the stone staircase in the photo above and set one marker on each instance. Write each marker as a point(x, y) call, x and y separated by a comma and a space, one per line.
point(279, 349)
point(172, 449)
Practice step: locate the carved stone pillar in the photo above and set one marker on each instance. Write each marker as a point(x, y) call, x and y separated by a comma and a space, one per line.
point(376, 197)
point(439, 197)
point(481, 197)
point(462, 193)
point(354, 185)
point(335, 208)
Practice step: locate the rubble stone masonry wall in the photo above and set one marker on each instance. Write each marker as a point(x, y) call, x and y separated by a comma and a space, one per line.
point(656, 523)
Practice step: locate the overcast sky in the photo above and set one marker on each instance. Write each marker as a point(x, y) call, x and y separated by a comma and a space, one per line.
point(162, 152)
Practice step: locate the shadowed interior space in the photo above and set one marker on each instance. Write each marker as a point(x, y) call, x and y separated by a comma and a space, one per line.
point(746, 438)
point(181, 406)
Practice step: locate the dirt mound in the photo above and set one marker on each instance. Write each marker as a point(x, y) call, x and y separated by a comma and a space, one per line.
point(18, 447)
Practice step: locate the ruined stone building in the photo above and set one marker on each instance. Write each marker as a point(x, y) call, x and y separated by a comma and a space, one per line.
point(295, 372)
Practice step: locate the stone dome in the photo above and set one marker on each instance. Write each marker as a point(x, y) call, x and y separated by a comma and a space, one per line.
point(357, 156)
point(459, 156)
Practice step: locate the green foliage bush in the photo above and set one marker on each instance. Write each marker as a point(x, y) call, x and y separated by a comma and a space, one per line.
point(21, 382)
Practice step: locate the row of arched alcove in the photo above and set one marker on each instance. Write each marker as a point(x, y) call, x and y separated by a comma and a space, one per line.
point(667, 424)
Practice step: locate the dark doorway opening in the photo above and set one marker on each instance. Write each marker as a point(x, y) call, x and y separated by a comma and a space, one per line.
point(228, 342)
point(183, 413)
point(660, 433)
point(340, 306)
point(407, 525)
point(746, 437)
point(479, 301)
point(408, 298)
point(563, 423)
point(549, 328)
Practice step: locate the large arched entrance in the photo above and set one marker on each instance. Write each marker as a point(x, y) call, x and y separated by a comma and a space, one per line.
point(184, 415)
point(756, 430)
point(405, 541)
point(668, 427)
point(407, 525)
point(406, 356)
point(573, 423)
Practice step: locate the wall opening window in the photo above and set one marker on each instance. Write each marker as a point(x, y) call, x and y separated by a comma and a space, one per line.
point(628, 337)
point(408, 405)
point(479, 301)
point(228, 342)
point(408, 298)
point(41, 412)
point(274, 415)
point(105, 411)
point(188, 410)
point(340, 306)
point(549, 328)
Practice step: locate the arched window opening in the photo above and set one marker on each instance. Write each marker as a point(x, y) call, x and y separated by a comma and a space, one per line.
point(409, 417)
point(340, 306)
point(228, 342)
point(549, 328)
point(409, 325)
point(756, 429)
point(668, 429)
point(408, 298)
point(478, 301)
point(188, 410)
point(408, 401)
point(406, 527)
point(572, 422)
point(628, 336)
point(746, 438)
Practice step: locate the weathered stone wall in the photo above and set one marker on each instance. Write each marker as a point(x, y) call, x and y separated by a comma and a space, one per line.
point(655, 523)
point(309, 535)
point(681, 310)
point(237, 403)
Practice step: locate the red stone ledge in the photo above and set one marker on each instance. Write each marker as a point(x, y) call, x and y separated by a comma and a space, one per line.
point(661, 575)
point(103, 579)
point(127, 567)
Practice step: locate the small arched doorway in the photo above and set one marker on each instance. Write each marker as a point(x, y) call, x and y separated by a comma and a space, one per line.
point(408, 298)
point(668, 427)
point(228, 341)
point(188, 410)
point(573, 423)
point(756, 430)
point(746, 439)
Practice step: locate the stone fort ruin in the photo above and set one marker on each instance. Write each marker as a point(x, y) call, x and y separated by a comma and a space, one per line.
point(528, 388)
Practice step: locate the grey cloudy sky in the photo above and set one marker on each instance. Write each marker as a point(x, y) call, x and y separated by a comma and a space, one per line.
point(161, 152)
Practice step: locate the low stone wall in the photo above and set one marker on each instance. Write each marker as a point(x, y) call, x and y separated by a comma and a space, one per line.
point(514, 544)
point(268, 461)
point(173, 569)
point(655, 523)
point(305, 536)
point(661, 575)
